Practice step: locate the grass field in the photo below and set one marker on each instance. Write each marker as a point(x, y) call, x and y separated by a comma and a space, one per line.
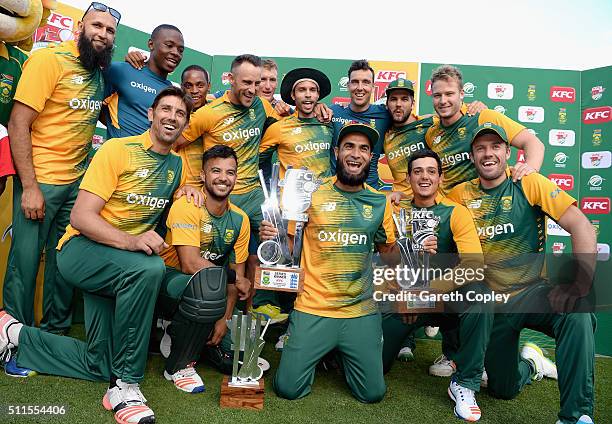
point(412, 397)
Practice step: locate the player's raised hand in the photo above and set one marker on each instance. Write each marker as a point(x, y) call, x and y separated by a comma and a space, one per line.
point(475, 107)
point(267, 231)
point(395, 197)
point(520, 170)
point(136, 59)
point(192, 193)
point(149, 242)
point(323, 113)
point(282, 108)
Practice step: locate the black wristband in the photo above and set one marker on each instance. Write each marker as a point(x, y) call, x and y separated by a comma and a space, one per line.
point(231, 276)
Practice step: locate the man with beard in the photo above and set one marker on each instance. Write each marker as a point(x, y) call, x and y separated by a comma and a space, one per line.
point(213, 235)
point(131, 91)
point(510, 217)
point(110, 251)
point(347, 219)
point(56, 108)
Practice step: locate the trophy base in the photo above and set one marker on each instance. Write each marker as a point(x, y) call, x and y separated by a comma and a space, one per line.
point(418, 301)
point(242, 397)
point(279, 278)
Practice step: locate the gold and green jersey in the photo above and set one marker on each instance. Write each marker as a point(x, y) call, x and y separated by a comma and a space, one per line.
point(136, 183)
point(337, 252)
point(400, 143)
point(453, 143)
point(221, 239)
point(68, 99)
point(223, 123)
point(510, 220)
point(299, 142)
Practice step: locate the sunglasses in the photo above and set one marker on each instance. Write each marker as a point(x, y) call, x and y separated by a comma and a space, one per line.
point(101, 7)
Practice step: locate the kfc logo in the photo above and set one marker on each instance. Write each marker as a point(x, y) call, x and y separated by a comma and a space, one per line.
point(428, 90)
point(382, 80)
point(562, 138)
point(595, 205)
point(500, 90)
point(533, 114)
point(592, 160)
point(562, 94)
point(58, 29)
point(565, 181)
point(342, 101)
point(597, 115)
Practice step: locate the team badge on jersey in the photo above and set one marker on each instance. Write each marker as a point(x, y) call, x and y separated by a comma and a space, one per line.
point(229, 236)
point(170, 176)
point(252, 114)
point(461, 132)
point(420, 129)
point(6, 85)
point(297, 130)
point(367, 212)
point(373, 123)
point(506, 203)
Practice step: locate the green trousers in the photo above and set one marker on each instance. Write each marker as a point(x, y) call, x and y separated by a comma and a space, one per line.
point(119, 290)
point(359, 341)
point(472, 327)
point(575, 353)
point(29, 239)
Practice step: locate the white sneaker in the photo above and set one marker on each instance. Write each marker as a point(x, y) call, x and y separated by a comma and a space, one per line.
point(544, 366)
point(5, 345)
point(186, 380)
point(442, 367)
point(584, 419)
point(128, 403)
point(282, 339)
point(405, 354)
point(165, 344)
point(466, 407)
point(431, 331)
point(484, 380)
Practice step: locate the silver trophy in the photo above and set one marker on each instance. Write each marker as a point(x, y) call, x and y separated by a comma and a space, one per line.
point(281, 267)
point(246, 337)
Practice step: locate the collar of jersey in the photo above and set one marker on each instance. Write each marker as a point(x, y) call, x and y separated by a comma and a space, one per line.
point(345, 193)
point(227, 209)
point(72, 47)
point(146, 141)
point(4, 51)
point(499, 187)
point(463, 113)
point(437, 200)
point(226, 99)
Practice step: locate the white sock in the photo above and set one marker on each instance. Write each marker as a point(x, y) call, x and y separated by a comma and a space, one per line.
point(13, 333)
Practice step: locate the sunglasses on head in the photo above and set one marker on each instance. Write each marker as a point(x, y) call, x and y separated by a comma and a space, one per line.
point(101, 7)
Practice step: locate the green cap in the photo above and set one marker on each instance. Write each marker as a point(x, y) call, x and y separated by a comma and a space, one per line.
point(489, 127)
point(368, 131)
point(400, 84)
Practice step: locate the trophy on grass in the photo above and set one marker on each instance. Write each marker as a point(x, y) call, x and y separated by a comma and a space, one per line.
point(245, 387)
point(414, 259)
point(280, 268)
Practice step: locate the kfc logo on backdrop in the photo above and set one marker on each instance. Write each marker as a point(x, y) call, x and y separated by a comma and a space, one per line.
point(533, 114)
point(565, 181)
point(342, 101)
point(58, 29)
point(382, 80)
point(563, 94)
point(558, 248)
point(428, 87)
point(591, 160)
point(520, 156)
point(562, 138)
point(500, 90)
point(597, 115)
point(595, 205)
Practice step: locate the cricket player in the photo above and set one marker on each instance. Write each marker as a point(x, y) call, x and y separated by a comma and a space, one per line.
point(510, 219)
point(347, 219)
point(57, 103)
point(110, 251)
point(457, 240)
point(209, 237)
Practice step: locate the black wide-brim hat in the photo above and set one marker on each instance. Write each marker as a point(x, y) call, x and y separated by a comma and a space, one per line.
point(304, 73)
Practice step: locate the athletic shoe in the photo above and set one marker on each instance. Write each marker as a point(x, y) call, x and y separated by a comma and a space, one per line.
point(263, 364)
point(431, 331)
point(165, 344)
point(544, 366)
point(405, 354)
point(5, 344)
point(585, 419)
point(442, 367)
point(13, 370)
point(219, 359)
point(186, 379)
point(128, 404)
point(282, 339)
point(466, 407)
point(484, 380)
point(270, 313)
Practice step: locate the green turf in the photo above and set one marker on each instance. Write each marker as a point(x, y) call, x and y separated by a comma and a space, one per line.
point(412, 397)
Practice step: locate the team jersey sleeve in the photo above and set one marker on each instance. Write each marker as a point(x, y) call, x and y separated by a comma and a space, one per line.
point(199, 123)
point(107, 165)
point(241, 247)
point(542, 192)
point(456, 193)
point(184, 223)
point(386, 232)
point(111, 77)
point(271, 138)
point(40, 75)
point(464, 231)
point(270, 112)
point(511, 127)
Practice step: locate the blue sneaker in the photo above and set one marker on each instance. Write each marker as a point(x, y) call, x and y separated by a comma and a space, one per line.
point(13, 370)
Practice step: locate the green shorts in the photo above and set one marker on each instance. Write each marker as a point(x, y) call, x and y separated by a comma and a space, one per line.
point(250, 203)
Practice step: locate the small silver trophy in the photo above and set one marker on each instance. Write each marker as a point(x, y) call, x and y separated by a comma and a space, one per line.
point(246, 337)
point(281, 267)
point(413, 229)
